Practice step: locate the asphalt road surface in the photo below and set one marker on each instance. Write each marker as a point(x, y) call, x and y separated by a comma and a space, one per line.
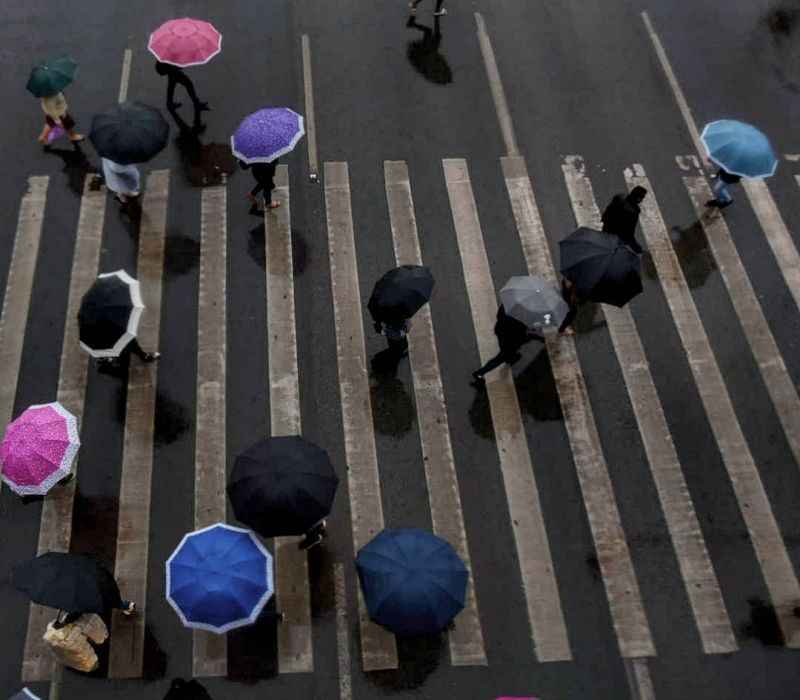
point(655, 553)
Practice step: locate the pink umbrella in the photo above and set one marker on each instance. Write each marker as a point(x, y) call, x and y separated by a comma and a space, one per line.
point(185, 42)
point(38, 448)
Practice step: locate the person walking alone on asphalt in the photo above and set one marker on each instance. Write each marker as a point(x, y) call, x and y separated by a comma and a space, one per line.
point(438, 12)
point(621, 217)
point(177, 76)
point(56, 114)
point(123, 180)
point(264, 174)
point(722, 195)
point(396, 333)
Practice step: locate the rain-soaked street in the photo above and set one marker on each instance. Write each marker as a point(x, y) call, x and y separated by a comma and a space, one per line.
point(624, 496)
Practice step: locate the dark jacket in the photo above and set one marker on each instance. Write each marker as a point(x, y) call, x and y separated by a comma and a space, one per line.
point(621, 217)
point(727, 178)
point(511, 333)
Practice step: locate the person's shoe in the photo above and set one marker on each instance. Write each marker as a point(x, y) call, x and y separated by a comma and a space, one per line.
point(280, 616)
point(712, 203)
point(477, 378)
point(274, 205)
point(77, 137)
point(440, 13)
point(151, 356)
point(129, 609)
point(724, 204)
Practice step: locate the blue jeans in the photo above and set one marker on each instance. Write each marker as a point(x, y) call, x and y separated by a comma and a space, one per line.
point(721, 192)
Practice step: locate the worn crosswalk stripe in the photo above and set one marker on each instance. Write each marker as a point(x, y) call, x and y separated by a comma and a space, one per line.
point(55, 531)
point(378, 647)
point(753, 502)
point(210, 651)
point(342, 634)
point(619, 577)
point(17, 298)
point(133, 531)
point(776, 233)
point(545, 615)
point(292, 594)
point(466, 639)
point(698, 573)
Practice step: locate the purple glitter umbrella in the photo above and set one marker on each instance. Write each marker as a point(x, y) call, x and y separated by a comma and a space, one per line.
point(267, 134)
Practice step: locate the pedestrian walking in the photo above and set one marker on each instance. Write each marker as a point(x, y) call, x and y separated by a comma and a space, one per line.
point(132, 348)
point(722, 195)
point(396, 333)
point(56, 115)
point(177, 76)
point(264, 174)
point(511, 336)
point(316, 533)
point(438, 12)
point(621, 216)
point(71, 638)
point(123, 180)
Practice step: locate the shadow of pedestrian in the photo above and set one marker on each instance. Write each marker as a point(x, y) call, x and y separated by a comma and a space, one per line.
point(76, 165)
point(393, 411)
point(204, 165)
point(424, 53)
point(536, 389)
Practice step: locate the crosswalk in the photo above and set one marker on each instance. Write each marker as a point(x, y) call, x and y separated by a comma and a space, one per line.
point(550, 637)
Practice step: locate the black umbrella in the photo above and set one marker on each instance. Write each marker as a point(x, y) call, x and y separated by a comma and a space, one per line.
point(282, 486)
point(109, 315)
point(75, 583)
point(131, 132)
point(400, 293)
point(601, 266)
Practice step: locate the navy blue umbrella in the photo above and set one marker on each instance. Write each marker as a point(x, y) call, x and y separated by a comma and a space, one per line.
point(414, 583)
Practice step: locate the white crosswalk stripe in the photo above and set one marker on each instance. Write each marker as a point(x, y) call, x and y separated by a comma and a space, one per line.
point(466, 639)
point(533, 548)
point(133, 535)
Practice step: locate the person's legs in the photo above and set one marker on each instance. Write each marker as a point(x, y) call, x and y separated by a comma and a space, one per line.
point(398, 347)
point(135, 349)
point(721, 192)
point(128, 607)
point(493, 363)
point(439, 9)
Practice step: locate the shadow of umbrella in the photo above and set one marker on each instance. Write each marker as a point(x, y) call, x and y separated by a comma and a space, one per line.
point(536, 389)
point(424, 54)
point(691, 247)
point(204, 163)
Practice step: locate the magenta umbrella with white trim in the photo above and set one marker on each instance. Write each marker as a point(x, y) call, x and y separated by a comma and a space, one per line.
point(39, 448)
point(185, 42)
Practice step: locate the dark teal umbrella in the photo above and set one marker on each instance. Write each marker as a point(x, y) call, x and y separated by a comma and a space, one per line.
point(51, 77)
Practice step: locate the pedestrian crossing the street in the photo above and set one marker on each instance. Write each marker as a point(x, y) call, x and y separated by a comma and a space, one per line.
point(546, 613)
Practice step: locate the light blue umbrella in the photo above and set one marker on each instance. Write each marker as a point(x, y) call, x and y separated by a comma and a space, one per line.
point(219, 578)
point(739, 148)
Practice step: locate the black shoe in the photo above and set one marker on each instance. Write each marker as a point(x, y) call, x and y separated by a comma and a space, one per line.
point(726, 204)
point(151, 356)
point(712, 203)
point(477, 379)
point(203, 107)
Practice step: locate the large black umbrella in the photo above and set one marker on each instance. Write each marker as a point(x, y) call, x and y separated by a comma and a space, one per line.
point(602, 268)
point(109, 315)
point(400, 293)
point(282, 486)
point(131, 132)
point(75, 583)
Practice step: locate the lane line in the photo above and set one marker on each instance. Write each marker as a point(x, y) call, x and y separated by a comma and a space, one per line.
point(125, 77)
point(342, 634)
point(378, 647)
point(292, 590)
point(698, 573)
point(496, 86)
point(133, 533)
point(209, 650)
point(55, 531)
point(311, 125)
point(754, 505)
point(619, 577)
point(546, 618)
point(466, 639)
point(19, 284)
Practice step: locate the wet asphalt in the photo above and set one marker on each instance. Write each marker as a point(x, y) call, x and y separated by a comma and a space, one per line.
point(581, 78)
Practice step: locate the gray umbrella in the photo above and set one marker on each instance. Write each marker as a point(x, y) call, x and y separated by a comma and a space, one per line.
point(534, 301)
point(24, 694)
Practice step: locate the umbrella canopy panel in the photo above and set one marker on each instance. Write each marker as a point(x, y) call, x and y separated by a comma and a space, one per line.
point(38, 448)
point(185, 42)
point(400, 293)
point(219, 578)
point(414, 583)
point(109, 315)
point(24, 694)
point(534, 301)
point(267, 134)
point(282, 486)
point(130, 132)
point(76, 583)
point(51, 77)
point(739, 148)
point(602, 268)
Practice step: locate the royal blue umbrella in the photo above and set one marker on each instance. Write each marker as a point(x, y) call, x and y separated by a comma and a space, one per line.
point(219, 578)
point(267, 134)
point(414, 583)
point(739, 148)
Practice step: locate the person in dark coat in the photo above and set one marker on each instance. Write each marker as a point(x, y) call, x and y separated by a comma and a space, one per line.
point(396, 333)
point(177, 76)
point(621, 216)
point(264, 174)
point(722, 195)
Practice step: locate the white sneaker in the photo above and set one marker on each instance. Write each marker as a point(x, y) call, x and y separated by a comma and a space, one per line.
point(441, 12)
